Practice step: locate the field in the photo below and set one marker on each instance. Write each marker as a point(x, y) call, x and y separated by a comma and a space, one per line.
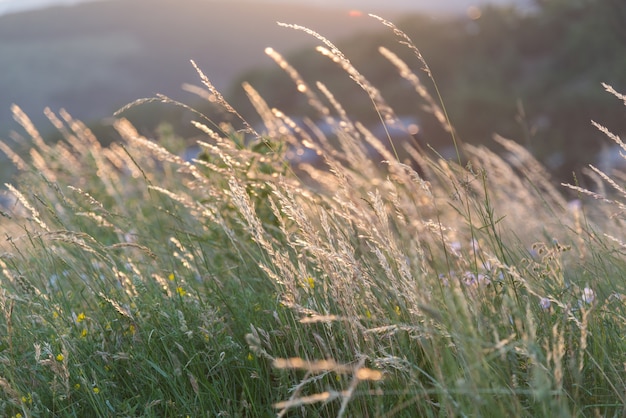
point(240, 283)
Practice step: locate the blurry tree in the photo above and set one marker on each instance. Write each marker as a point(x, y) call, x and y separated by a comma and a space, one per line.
point(532, 76)
point(580, 44)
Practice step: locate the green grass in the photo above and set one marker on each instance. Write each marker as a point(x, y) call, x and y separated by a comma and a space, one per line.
point(138, 284)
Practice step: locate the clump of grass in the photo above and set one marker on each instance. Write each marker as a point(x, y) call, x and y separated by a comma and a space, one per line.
point(137, 283)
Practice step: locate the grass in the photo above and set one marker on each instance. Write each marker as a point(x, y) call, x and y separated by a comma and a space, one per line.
point(138, 284)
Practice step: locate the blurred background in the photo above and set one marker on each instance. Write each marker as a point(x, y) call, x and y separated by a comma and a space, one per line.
point(529, 70)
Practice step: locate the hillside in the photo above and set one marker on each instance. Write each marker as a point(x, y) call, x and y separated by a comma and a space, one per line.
point(95, 57)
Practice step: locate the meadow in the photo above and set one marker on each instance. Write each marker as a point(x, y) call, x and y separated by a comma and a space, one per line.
point(137, 283)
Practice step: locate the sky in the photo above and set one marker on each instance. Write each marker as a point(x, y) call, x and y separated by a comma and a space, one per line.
point(10, 6)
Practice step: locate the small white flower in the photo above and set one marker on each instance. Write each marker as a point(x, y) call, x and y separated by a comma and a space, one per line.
point(544, 303)
point(588, 295)
point(443, 279)
point(53, 281)
point(574, 206)
point(470, 278)
point(483, 279)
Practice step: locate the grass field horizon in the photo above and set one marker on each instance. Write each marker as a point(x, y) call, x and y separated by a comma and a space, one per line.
point(240, 283)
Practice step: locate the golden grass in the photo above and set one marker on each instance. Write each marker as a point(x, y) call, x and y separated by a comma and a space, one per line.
point(471, 288)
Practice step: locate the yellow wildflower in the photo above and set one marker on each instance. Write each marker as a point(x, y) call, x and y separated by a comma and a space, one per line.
point(81, 317)
point(181, 291)
point(60, 357)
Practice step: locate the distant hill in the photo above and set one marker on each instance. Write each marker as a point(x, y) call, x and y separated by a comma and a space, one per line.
point(422, 6)
point(95, 57)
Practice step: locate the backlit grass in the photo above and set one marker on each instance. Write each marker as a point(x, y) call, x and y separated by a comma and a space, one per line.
point(135, 283)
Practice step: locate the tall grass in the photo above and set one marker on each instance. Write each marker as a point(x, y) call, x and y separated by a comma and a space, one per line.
point(135, 283)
